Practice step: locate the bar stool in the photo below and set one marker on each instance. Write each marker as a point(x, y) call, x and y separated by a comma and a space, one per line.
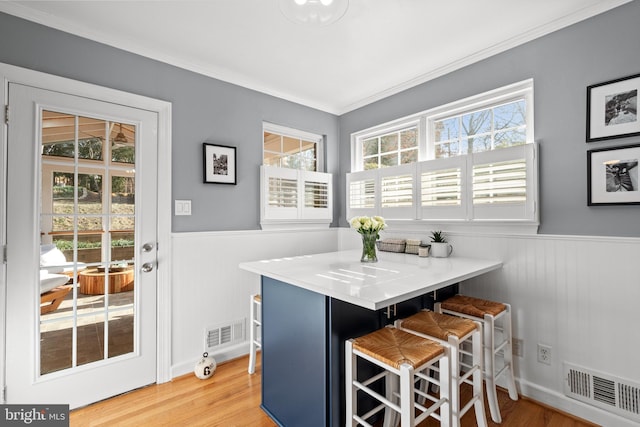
point(453, 332)
point(404, 355)
point(487, 312)
point(255, 323)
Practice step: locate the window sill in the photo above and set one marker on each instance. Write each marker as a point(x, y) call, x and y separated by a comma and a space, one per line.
point(464, 226)
point(294, 224)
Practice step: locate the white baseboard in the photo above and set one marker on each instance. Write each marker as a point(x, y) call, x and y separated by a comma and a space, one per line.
point(224, 355)
point(571, 406)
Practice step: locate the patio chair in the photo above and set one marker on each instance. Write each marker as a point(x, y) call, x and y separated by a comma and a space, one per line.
point(52, 290)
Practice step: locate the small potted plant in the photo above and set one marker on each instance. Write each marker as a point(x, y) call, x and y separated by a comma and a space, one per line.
point(440, 248)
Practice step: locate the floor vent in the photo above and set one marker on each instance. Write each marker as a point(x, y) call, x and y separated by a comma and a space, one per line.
point(604, 391)
point(224, 335)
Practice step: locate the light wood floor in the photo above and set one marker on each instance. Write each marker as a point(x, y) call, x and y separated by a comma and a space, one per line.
point(231, 398)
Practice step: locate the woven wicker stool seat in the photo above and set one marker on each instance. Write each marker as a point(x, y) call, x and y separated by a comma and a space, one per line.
point(255, 323)
point(405, 358)
point(488, 312)
point(475, 307)
point(455, 332)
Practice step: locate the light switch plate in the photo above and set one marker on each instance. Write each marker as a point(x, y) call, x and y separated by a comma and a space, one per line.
point(183, 207)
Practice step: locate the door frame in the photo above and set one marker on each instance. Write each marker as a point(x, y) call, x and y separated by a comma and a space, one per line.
point(14, 74)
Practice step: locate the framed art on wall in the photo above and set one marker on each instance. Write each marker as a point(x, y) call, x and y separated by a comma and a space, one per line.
point(612, 109)
point(219, 164)
point(612, 175)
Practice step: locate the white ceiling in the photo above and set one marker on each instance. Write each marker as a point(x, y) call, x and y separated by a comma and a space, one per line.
point(378, 48)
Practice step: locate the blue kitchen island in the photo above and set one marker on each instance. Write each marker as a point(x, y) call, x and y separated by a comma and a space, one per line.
point(311, 304)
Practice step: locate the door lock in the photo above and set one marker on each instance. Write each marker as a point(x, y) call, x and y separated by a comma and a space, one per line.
point(147, 247)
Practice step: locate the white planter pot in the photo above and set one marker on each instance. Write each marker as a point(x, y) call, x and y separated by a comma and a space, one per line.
point(441, 250)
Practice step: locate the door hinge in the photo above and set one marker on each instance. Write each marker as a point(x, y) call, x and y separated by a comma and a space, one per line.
point(6, 114)
point(4, 254)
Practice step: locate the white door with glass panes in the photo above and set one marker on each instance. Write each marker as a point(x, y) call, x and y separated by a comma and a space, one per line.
point(81, 248)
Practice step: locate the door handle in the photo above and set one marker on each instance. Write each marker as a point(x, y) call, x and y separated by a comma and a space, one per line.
point(147, 247)
point(147, 267)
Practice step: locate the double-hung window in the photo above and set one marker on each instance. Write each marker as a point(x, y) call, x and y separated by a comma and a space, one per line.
point(469, 161)
point(295, 192)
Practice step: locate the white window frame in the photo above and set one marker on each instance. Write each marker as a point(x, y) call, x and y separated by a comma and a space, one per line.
point(297, 134)
point(519, 217)
point(300, 215)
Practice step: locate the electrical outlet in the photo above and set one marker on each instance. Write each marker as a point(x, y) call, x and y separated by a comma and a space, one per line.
point(517, 346)
point(544, 354)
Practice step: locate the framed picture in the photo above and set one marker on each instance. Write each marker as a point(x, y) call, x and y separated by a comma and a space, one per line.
point(612, 109)
point(219, 164)
point(613, 176)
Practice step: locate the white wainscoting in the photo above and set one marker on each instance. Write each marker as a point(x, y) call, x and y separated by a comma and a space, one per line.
point(210, 289)
point(579, 295)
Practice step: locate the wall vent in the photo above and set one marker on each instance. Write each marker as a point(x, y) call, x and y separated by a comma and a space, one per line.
point(224, 334)
point(604, 391)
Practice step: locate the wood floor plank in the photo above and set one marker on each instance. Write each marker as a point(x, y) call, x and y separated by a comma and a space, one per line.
point(231, 398)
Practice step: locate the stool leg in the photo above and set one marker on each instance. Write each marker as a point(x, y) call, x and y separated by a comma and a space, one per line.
point(489, 377)
point(391, 383)
point(350, 368)
point(252, 336)
point(508, 354)
point(454, 357)
point(445, 390)
point(478, 406)
point(407, 416)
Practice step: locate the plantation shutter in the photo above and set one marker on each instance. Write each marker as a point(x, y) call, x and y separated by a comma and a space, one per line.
point(442, 188)
point(295, 195)
point(502, 183)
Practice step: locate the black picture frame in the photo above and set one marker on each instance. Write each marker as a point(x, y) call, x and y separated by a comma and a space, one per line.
point(612, 109)
point(219, 164)
point(612, 176)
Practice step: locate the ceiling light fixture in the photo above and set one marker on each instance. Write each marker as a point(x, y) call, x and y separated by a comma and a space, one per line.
point(314, 12)
point(120, 138)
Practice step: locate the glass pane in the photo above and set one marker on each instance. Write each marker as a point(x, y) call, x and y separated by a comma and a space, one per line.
point(122, 247)
point(272, 142)
point(477, 122)
point(510, 138)
point(446, 130)
point(63, 193)
point(121, 324)
point(309, 147)
point(389, 143)
point(409, 138)
point(447, 149)
point(290, 145)
point(371, 163)
point(55, 341)
point(410, 156)
point(476, 144)
point(123, 195)
point(370, 147)
point(90, 330)
point(389, 160)
point(58, 134)
point(91, 134)
point(90, 195)
point(509, 115)
point(271, 159)
point(123, 139)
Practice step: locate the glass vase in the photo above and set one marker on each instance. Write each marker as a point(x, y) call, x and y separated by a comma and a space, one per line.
point(369, 247)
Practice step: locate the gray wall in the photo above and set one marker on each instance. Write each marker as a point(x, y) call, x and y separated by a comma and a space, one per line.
point(562, 65)
point(204, 109)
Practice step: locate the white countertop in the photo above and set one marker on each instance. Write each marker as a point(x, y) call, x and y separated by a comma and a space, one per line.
point(393, 279)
